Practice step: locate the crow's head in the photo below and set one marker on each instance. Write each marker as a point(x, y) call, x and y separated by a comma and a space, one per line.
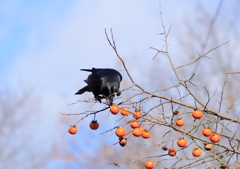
point(110, 100)
point(109, 92)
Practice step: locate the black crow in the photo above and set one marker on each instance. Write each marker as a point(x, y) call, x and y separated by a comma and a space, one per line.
point(105, 82)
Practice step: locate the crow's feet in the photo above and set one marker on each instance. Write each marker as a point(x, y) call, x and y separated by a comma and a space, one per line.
point(98, 98)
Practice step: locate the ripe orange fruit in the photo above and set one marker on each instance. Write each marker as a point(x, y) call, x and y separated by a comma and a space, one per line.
point(208, 146)
point(134, 124)
point(197, 114)
point(125, 111)
point(215, 138)
point(114, 109)
point(146, 134)
point(207, 132)
point(180, 122)
point(172, 152)
point(182, 142)
point(72, 129)
point(94, 125)
point(120, 132)
point(137, 132)
point(137, 114)
point(149, 164)
point(196, 152)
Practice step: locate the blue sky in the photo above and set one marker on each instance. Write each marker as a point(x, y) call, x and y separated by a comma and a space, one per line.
point(43, 44)
point(19, 19)
point(31, 28)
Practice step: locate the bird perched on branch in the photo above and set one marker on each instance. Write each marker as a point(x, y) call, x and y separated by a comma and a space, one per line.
point(105, 82)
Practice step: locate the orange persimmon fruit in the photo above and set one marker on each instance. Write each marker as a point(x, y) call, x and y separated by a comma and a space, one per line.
point(182, 142)
point(120, 132)
point(196, 152)
point(215, 138)
point(125, 111)
point(146, 134)
point(94, 125)
point(114, 109)
point(180, 122)
point(149, 164)
point(207, 132)
point(172, 152)
point(135, 124)
point(137, 132)
point(197, 114)
point(137, 114)
point(72, 129)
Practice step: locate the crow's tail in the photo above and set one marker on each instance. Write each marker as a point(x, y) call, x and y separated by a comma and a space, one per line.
point(88, 70)
point(81, 91)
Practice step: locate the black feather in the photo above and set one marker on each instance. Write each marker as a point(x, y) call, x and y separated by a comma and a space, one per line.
point(105, 82)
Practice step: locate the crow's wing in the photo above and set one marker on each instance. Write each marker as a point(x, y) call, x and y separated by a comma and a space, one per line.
point(106, 73)
point(93, 79)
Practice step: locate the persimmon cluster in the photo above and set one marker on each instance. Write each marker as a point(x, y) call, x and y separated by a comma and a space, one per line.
point(138, 130)
point(207, 132)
